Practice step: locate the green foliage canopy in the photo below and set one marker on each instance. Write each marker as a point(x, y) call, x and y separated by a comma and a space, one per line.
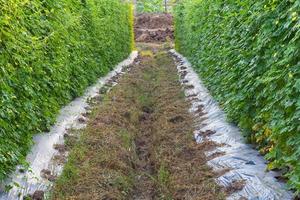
point(247, 53)
point(50, 51)
point(150, 6)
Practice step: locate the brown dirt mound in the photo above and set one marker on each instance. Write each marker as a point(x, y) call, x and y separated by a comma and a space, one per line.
point(154, 28)
point(153, 21)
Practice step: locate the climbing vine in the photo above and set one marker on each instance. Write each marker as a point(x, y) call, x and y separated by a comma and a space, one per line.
point(147, 6)
point(155, 6)
point(247, 53)
point(50, 51)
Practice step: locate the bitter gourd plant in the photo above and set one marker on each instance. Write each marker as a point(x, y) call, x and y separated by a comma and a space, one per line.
point(247, 53)
point(50, 51)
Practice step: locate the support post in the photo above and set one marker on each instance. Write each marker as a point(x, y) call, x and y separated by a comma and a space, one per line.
point(166, 6)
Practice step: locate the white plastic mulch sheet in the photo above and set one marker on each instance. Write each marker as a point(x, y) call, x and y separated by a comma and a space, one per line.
point(241, 161)
point(43, 152)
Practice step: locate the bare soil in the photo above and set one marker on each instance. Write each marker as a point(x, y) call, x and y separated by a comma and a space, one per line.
point(152, 21)
point(154, 28)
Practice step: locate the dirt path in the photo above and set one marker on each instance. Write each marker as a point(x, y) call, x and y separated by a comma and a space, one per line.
point(139, 143)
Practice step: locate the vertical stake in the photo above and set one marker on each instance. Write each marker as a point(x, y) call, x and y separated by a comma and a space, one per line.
point(166, 7)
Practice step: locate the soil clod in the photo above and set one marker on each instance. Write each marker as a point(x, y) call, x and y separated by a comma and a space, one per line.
point(61, 148)
point(235, 186)
point(46, 174)
point(207, 133)
point(38, 195)
point(189, 87)
point(183, 74)
point(82, 119)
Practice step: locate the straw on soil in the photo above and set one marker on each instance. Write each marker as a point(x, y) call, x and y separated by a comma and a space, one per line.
point(139, 142)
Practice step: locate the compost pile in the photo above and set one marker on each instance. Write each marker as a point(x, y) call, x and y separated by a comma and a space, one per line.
point(154, 28)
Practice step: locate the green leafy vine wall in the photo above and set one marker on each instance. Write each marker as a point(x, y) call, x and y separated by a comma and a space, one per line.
point(50, 51)
point(247, 53)
point(150, 6)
